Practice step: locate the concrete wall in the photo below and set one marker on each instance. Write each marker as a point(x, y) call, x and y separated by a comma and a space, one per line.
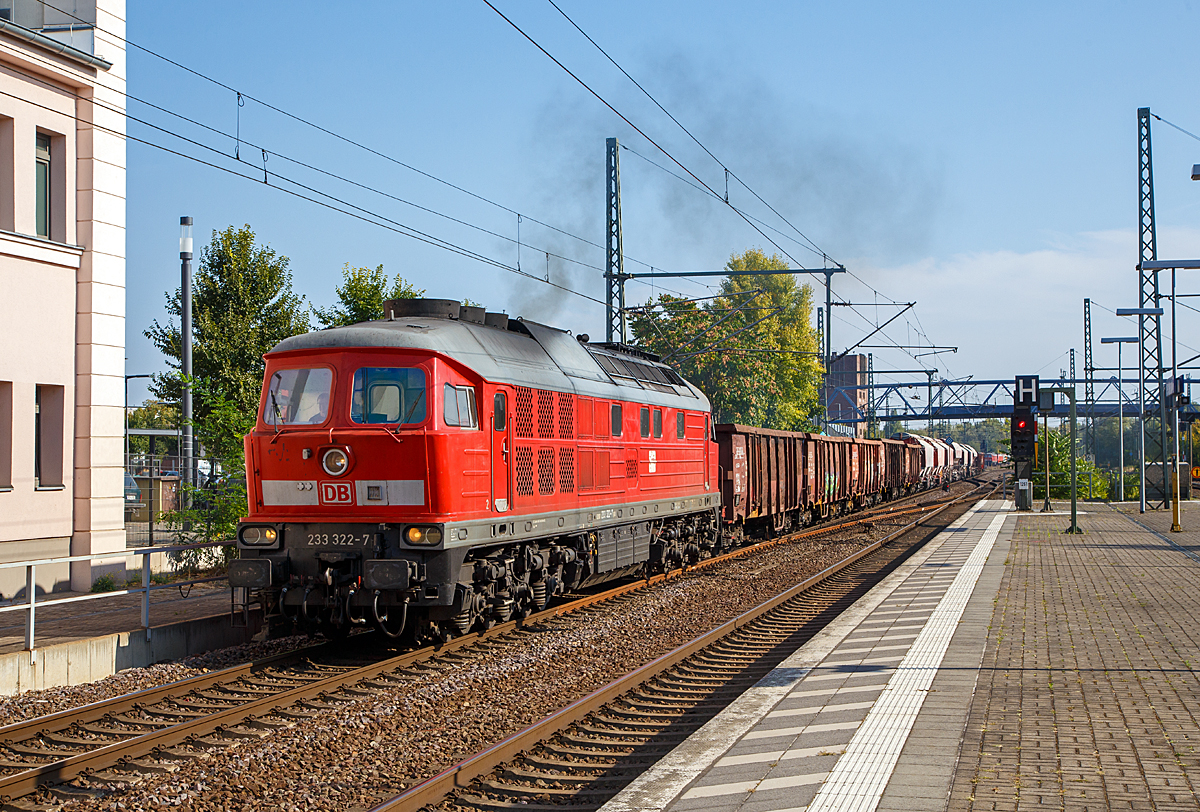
point(95, 658)
point(62, 312)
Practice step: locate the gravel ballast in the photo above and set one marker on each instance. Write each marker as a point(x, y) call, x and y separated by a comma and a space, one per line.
point(370, 748)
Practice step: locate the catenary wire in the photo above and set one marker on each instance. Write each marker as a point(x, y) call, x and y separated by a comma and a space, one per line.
point(333, 134)
point(816, 248)
point(360, 213)
point(434, 240)
point(920, 330)
point(621, 116)
point(1176, 126)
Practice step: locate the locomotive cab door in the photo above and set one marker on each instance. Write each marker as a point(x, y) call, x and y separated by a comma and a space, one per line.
point(501, 453)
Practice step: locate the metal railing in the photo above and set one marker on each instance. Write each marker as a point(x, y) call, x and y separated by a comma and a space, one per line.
point(30, 605)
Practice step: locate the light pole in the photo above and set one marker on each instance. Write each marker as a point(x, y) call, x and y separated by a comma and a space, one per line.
point(1120, 411)
point(1141, 313)
point(1159, 265)
point(185, 334)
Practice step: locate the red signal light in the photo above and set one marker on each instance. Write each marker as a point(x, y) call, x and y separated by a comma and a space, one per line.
point(1020, 424)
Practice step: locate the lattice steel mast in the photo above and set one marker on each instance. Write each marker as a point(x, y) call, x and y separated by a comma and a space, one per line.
point(614, 265)
point(1089, 383)
point(1149, 327)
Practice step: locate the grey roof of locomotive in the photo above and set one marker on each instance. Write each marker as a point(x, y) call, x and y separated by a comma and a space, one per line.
point(525, 354)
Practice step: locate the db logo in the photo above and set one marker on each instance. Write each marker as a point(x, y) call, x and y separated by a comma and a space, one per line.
point(337, 493)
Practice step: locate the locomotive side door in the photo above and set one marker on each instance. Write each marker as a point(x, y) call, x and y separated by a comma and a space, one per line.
point(500, 428)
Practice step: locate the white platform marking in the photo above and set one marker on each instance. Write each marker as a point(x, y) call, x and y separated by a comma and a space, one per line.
point(665, 781)
point(858, 779)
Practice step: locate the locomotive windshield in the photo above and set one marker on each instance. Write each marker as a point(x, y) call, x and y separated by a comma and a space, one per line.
point(298, 396)
point(388, 395)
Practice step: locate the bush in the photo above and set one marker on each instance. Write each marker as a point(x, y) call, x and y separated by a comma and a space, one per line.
point(105, 583)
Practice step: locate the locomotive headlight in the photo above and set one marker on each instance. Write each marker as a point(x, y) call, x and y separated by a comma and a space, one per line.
point(423, 535)
point(258, 536)
point(335, 462)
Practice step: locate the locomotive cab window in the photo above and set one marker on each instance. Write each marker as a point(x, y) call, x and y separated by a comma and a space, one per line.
point(617, 420)
point(388, 395)
point(458, 408)
point(298, 396)
point(680, 420)
point(499, 412)
point(658, 422)
point(645, 421)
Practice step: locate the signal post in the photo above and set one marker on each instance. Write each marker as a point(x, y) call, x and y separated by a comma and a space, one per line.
point(1023, 434)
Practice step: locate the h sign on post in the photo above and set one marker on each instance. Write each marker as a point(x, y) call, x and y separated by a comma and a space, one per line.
point(1025, 392)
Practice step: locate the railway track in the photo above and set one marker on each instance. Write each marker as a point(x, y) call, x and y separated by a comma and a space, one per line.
point(587, 752)
point(126, 738)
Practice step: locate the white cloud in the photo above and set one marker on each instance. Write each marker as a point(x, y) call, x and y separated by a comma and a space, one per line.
point(1015, 313)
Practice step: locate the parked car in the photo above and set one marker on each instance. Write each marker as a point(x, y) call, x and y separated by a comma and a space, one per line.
point(133, 496)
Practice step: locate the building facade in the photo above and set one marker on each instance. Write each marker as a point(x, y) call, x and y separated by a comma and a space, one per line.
point(62, 287)
point(844, 402)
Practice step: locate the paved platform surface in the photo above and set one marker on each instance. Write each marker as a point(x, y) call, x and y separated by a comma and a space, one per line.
point(1006, 666)
point(111, 615)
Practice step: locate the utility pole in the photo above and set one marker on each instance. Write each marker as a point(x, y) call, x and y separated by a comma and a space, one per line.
point(1046, 402)
point(614, 265)
point(1046, 508)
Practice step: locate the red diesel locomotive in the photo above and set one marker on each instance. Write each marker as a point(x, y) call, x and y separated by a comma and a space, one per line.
point(448, 468)
point(445, 469)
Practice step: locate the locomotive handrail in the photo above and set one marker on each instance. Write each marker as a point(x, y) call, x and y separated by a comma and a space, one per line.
point(31, 603)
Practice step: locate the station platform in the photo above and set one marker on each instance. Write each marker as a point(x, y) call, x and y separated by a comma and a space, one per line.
point(69, 622)
point(86, 641)
point(1005, 666)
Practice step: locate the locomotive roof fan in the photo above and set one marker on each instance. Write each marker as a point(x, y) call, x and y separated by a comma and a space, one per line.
point(430, 308)
point(443, 309)
point(471, 313)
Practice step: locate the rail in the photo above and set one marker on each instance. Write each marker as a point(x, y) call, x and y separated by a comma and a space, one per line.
point(433, 790)
point(66, 765)
point(30, 605)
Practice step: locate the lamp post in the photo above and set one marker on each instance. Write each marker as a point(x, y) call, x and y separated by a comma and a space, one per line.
point(1159, 265)
point(185, 334)
point(1141, 313)
point(1120, 411)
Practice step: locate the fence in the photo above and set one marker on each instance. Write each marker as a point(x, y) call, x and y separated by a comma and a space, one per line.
point(1087, 483)
point(154, 487)
point(30, 605)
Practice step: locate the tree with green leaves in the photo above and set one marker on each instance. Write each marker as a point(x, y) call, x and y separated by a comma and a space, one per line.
point(242, 306)
point(153, 414)
point(752, 349)
point(1090, 482)
point(361, 296)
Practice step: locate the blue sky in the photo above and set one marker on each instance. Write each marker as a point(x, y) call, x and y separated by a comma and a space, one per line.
point(980, 160)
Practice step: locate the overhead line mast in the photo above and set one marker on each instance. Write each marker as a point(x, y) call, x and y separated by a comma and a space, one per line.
point(614, 262)
point(1154, 443)
point(1089, 386)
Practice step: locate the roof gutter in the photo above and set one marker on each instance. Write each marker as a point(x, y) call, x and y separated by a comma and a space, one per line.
point(54, 45)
